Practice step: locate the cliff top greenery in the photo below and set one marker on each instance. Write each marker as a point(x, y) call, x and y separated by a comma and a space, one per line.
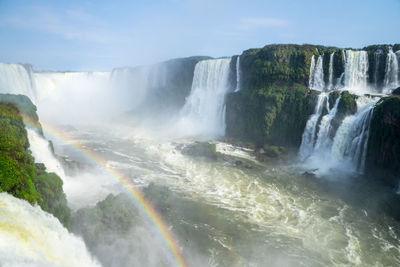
point(25, 107)
point(19, 176)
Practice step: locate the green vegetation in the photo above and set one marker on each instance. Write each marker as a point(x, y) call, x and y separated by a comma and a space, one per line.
point(17, 169)
point(347, 106)
point(113, 216)
point(51, 195)
point(25, 107)
point(19, 176)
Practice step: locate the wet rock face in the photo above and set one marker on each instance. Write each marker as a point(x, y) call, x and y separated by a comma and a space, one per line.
point(383, 154)
point(200, 149)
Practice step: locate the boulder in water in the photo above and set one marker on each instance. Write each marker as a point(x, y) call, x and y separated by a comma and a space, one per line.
point(201, 149)
point(396, 91)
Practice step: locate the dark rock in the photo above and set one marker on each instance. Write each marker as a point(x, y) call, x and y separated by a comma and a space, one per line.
point(201, 149)
point(396, 91)
point(238, 163)
point(383, 153)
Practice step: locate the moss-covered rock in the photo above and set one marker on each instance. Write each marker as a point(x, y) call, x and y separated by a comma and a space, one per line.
point(51, 195)
point(347, 106)
point(396, 91)
point(383, 153)
point(333, 96)
point(201, 149)
point(277, 115)
point(110, 218)
point(26, 108)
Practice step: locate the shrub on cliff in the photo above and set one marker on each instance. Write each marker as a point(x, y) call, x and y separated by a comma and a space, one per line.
point(52, 197)
point(17, 169)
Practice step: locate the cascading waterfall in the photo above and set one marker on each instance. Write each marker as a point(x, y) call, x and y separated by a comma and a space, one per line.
point(237, 74)
point(350, 142)
point(317, 74)
point(391, 80)
point(312, 71)
point(324, 141)
point(17, 79)
point(42, 153)
point(316, 137)
point(378, 54)
point(32, 237)
point(347, 150)
point(204, 107)
point(330, 82)
point(309, 134)
point(356, 71)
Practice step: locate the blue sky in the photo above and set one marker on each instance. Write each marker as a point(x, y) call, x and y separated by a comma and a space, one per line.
point(100, 35)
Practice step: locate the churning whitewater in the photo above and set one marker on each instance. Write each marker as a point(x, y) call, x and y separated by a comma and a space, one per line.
point(32, 237)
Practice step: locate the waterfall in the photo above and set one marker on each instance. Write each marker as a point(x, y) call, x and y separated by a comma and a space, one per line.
point(42, 153)
point(356, 71)
point(323, 140)
point(330, 84)
point(32, 237)
point(347, 150)
point(316, 134)
point(317, 74)
point(350, 142)
point(309, 134)
point(377, 55)
point(17, 79)
point(312, 71)
point(204, 107)
point(237, 74)
point(391, 80)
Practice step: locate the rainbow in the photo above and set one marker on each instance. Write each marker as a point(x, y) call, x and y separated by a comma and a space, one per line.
point(134, 192)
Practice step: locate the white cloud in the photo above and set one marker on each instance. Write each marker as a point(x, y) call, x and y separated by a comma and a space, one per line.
point(68, 24)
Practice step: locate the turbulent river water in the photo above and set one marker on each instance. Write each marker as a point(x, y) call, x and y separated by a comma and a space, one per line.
point(269, 215)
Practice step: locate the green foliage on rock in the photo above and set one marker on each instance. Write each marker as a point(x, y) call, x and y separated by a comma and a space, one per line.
point(275, 115)
point(52, 197)
point(25, 107)
point(347, 106)
point(114, 216)
point(383, 153)
point(17, 170)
